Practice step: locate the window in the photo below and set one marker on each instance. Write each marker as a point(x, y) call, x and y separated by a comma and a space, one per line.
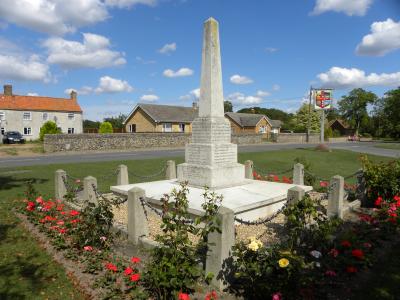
point(181, 127)
point(27, 130)
point(71, 116)
point(45, 116)
point(71, 130)
point(2, 115)
point(167, 127)
point(262, 129)
point(27, 116)
point(2, 130)
point(132, 128)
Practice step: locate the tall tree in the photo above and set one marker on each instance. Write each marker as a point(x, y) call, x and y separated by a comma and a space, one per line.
point(116, 122)
point(228, 107)
point(90, 124)
point(299, 122)
point(390, 113)
point(353, 107)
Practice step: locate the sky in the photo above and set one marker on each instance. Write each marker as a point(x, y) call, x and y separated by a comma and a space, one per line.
point(117, 53)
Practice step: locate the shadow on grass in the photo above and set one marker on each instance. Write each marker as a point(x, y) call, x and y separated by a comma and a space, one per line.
point(4, 228)
point(22, 269)
point(10, 182)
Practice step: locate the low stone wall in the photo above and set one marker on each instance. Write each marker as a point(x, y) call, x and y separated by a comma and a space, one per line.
point(296, 138)
point(128, 141)
point(338, 139)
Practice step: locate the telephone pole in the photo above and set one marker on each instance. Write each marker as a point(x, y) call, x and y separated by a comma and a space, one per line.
point(309, 116)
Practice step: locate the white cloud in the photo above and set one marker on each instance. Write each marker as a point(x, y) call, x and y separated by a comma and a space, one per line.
point(129, 3)
point(24, 68)
point(276, 87)
point(262, 93)
point(53, 16)
point(349, 7)
point(180, 73)
point(32, 94)
point(343, 78)
point(108, 84)
point(193, 95)
point(271, 49)
point(384, 38)
point(145, 62)
point(99, 111)
point(241, 99)
point(237, 79)
point(149, 98)
point(168, 48)
point(93, 52)
point(85, 90)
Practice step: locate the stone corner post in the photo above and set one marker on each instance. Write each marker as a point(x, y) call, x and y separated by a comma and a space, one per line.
point(170, 172)
point(248, 171)
point(361, 191)
point(59, 185)
point(221, 245)
point(122, 175)
point(336, 197)
point(298, 174)
point(295, 194)
point(137, 222)
point(88, 190)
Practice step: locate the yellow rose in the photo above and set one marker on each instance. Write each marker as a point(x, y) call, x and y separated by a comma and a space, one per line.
point(253, 246)
point(283, 262)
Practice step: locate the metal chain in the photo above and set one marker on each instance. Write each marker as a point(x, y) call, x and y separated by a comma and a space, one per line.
point(118, 201)
point(110, 175)
point(156, 211)
point(148, 176)
point(264, 221)
point(315, 176)
point(263, 172)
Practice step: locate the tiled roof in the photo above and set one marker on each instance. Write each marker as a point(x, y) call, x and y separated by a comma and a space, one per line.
point(276, 123)
point(38, 103)
point(244, 119)
point(167, 113)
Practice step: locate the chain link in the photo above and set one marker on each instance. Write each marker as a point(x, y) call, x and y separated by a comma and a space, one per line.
point(117, 201)
point(264, 221)
point(148, 176)
point(266, 173)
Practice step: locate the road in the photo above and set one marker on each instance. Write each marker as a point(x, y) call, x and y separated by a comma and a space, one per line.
point(62, 158)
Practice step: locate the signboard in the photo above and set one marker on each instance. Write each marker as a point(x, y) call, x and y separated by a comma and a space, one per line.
point(323, 99)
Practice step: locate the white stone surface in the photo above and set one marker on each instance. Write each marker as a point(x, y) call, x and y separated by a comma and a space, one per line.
point(251, 200)
point(211, 158)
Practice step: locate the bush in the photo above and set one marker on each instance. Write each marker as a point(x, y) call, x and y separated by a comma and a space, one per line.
point(382, 179)
point(106, 127)
point(328, 133)
point(367, 135)
point(49, 127)
point(336, 133)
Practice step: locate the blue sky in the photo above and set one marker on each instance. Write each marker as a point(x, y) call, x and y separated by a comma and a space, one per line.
point(117, 53)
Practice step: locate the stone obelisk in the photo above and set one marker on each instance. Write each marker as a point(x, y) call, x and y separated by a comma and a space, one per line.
point(211, 158)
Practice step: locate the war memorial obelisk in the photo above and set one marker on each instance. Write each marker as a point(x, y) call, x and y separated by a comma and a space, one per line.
point(211, 158)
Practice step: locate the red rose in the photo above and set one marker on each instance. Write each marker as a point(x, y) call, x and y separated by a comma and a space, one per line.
point(111, 267)
point(378, 201)
point(323, 183)
point(351, 269)
point(333, 252)
point(88, 248)
point(345, 243)
point(73, 213)
point(183, 296)
point(358, 253)
point(134, 277)
point(135, 260)
point(128, 271)
point(211, 296)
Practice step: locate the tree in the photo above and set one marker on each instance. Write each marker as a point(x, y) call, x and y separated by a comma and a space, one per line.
point(106, 127)
point(116, 122)
point(389, 117)
point(91, 124)
point(228, 107)
point(354, 107)
point(49, 127)
point(299, 122)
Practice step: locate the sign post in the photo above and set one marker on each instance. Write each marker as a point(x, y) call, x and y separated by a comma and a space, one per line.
point(323, 101)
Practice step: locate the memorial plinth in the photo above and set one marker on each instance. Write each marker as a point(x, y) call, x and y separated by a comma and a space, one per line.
point(211, 158)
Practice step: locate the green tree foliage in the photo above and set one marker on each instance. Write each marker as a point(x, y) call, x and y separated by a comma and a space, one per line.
point(299, 122)
point(332, 114)
point(91, 124)
point(106, 127)
point(49, 127)
point(228, 107)
point(116, 122)
point(388, 116)
point(354, 107)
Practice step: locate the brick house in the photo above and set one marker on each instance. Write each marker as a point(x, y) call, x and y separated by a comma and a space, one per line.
point(252, 123)
point(27, 114)
point(161, 118)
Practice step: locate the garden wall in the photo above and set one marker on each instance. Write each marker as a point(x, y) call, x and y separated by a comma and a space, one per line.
point(296, 138)
point(128, 141)
point(342, 139)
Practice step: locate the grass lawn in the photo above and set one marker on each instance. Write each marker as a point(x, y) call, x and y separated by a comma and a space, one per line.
point(395, 146)
point(27, 272)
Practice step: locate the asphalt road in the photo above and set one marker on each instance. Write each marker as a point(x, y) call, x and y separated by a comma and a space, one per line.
point(361, 147)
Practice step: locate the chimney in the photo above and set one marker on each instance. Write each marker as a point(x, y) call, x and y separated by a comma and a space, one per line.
point(73, 95)
point(195, 105)
point(7, 90)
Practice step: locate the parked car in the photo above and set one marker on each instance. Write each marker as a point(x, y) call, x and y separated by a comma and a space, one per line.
point(11, 137)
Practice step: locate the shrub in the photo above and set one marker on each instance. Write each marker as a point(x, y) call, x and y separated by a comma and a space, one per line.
point(336, 133)
point(106, 127)
point(323, 148)
point(382, 179)
point(49, 127)
point(328, 133)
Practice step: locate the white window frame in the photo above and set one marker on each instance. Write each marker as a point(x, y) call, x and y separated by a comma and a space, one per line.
point(130, 128)
point(182, 127)
point(71, 116)
point(167, 128)
point(28, 130)
point(30, 116)
point(71, 130)
point(2, 115)
point(45, 116)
